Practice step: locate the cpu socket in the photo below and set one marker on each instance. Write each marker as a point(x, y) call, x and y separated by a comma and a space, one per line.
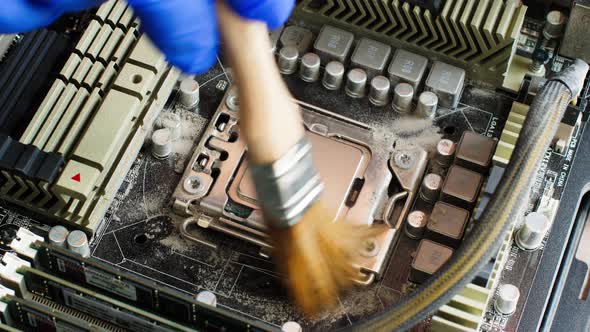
point(363, 182)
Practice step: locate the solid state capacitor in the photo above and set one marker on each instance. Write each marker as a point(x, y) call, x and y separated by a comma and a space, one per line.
point(189, 92)
point(532, 232)
point(554, 24)
point(171, 121)
point(288, 58)
point(356, 83)
point(58, 236)
point(507, 299)
point(430, 189)
point(379, 91)
point(427, 105)
point(333, 75)
point(309, 70)
point(78, 242)
point(402, 97)
point(445, 151)
point(161, 143)
point(416, 224)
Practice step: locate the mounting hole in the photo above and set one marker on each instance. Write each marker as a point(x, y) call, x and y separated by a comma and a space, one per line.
point(136, 79)
point(450, 130)
point(233, 136)
point(223, 156)
point(140, 238)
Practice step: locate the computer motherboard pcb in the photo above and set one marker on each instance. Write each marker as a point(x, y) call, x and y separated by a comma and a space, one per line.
point(146, 168)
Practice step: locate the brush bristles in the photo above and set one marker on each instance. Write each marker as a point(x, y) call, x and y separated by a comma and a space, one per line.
point(317, 256)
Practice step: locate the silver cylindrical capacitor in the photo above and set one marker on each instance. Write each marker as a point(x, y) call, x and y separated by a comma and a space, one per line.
point(208, 298)
point(445, 152)
point(427, 105)
point(507, 299)
point(430, 188)
point(416, 224)
point(333, 75)
point(532, 232)
point(403, 94)
point(356, 83)
point(554, 24)
point(309, 69)
point(291, 327)
point(58, 236)
point(189, 92)
point(288, 60)
point(379, 91)
point(172, 122)
point(162, 143)
point(78, 242)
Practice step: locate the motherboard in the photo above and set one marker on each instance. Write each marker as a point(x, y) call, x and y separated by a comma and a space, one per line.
point(126, 200)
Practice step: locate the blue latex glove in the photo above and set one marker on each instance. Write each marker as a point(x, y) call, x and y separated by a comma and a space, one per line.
point(185, 30)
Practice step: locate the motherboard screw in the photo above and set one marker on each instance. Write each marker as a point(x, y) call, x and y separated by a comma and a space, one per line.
point(371, 248)
point(540, 59)
point(232, 101)
point(194, 185)
point(404, 160)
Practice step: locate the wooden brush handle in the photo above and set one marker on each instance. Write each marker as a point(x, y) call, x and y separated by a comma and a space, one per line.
point(270, 121)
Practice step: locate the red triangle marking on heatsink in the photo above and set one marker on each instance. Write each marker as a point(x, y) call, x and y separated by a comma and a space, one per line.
point(77, 177)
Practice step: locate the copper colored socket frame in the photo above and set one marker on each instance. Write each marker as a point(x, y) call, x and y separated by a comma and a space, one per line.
point(357, 179)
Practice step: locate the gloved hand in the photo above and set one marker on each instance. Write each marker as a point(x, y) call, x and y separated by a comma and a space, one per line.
point(185, 30)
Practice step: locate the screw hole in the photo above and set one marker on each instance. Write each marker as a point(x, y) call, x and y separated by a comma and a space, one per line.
point(140, 238)
point(136, 79)
point(233, 136)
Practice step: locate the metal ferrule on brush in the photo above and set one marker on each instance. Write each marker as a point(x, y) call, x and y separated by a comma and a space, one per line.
point(289, 186)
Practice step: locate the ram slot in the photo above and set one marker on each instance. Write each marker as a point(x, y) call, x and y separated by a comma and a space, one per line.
point(136, 291)
point(97, 305)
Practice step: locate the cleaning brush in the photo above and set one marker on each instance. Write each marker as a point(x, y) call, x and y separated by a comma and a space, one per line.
point(315, 253)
